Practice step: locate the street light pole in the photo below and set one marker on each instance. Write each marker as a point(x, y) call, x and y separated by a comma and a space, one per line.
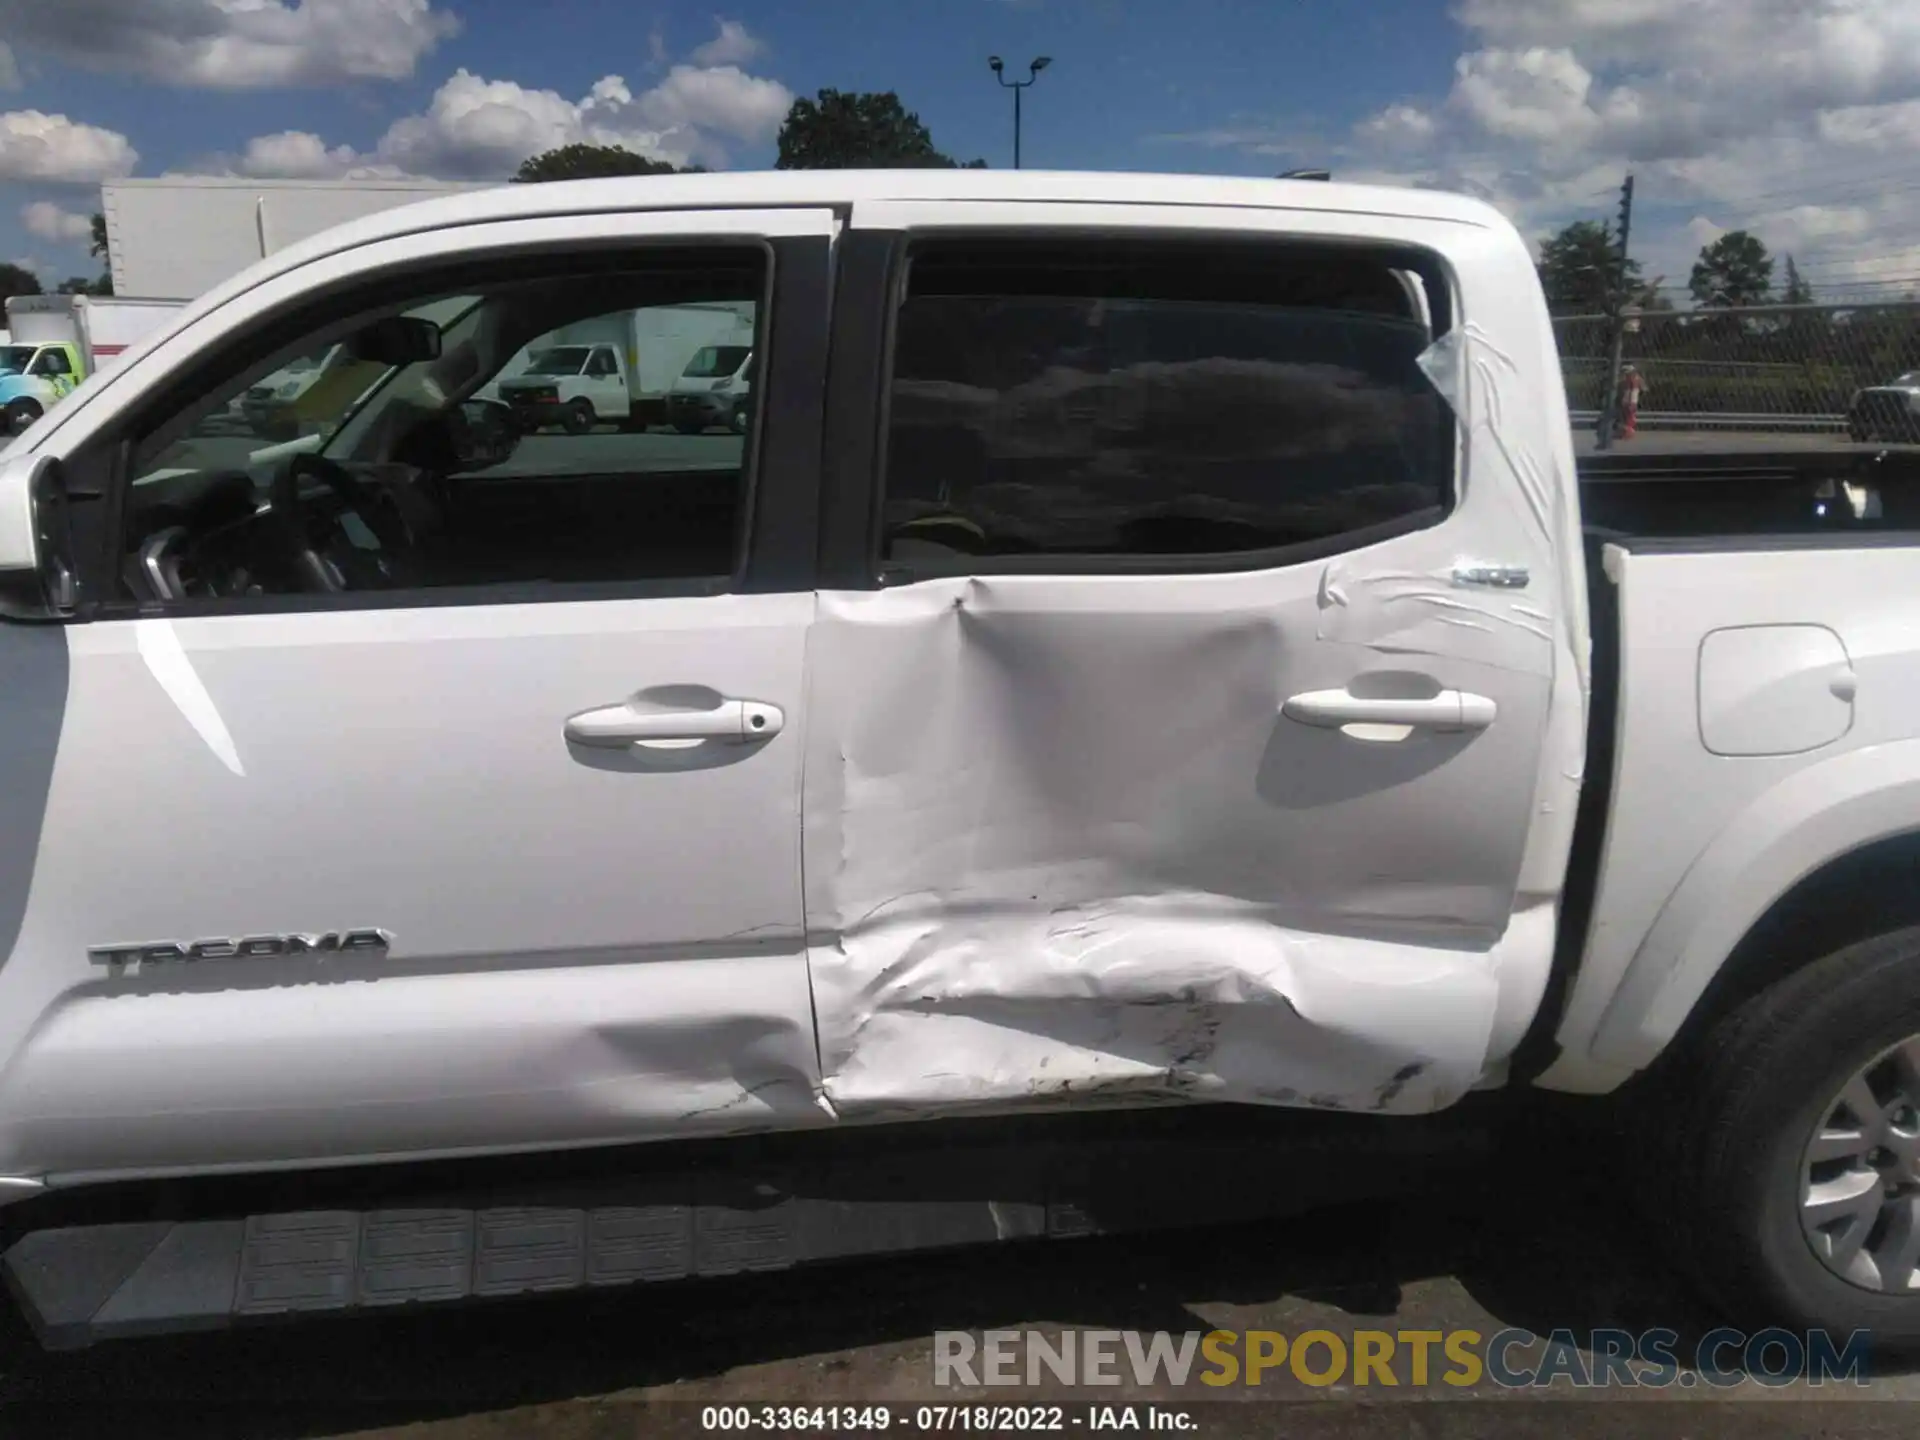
point(998, 66)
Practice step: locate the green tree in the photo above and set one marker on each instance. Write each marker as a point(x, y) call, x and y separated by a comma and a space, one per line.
point(1797, 291)
point(592, 162)
point(18, 280)
point(1733, 270)
point(849, 130)
point(1651, 299)
point(80, 285)
point(1580, 269)
point(98, 245)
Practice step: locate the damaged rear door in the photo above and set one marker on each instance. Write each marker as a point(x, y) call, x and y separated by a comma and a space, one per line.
point(1195, 708)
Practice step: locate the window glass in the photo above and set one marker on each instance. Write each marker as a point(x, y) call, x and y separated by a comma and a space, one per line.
point(559, 360)
point(14, 359)
point(52, 362)
point(716, 362)
point(1156, 399)
point(449, 440)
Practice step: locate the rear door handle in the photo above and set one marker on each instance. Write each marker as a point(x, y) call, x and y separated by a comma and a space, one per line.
point(1449, 710)
point(738, 721)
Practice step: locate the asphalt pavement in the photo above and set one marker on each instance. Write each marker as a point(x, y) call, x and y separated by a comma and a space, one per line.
point(1540, 1240)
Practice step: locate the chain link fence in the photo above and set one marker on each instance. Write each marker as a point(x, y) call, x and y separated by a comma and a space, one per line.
point(1774, 367)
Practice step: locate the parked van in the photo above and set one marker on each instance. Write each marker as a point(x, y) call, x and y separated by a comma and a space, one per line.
point(712, 390)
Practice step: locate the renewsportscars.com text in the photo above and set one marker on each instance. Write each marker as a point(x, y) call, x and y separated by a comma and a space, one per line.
point(1513, 1359)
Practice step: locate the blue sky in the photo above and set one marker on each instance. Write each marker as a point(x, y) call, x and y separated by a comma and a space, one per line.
point(1800, 120)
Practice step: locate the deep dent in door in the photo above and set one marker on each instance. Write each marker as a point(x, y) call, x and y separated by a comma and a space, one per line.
point(1036, 877)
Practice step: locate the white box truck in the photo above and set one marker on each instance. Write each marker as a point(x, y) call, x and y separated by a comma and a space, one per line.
point(617, 368)
point(180, 236)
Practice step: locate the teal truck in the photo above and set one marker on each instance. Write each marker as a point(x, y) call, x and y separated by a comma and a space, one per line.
point(57, 341)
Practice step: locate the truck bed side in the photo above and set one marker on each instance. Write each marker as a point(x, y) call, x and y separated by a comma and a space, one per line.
point(1755, 666)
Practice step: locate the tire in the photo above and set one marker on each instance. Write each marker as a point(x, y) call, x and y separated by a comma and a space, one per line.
point(688, 427)
point(580, 418)
point(21, 413)
point(1858, 432)
point(1731, 1116)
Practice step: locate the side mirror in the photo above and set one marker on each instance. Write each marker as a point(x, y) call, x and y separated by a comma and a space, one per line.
point(37, 577)
point(395, 340)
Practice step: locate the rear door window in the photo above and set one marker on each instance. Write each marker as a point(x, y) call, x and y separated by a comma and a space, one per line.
point(1113, 399)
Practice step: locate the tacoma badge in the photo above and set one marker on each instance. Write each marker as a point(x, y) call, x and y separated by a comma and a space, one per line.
point(251, 947)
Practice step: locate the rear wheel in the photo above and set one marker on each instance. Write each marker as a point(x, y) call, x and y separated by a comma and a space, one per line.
point(580, 417)
point(1788, 1139)
point(688, 427)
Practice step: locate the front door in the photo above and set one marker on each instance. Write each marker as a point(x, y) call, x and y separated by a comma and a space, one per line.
point(414, 799)
point(1161, 757)
point(606, 385)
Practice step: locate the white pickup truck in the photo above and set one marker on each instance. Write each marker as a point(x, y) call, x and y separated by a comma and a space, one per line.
point(1144, 652)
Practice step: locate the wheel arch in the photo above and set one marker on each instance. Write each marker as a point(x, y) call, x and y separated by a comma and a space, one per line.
point(1823, 859)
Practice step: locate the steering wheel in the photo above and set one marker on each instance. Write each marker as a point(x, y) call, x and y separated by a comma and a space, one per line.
point(348, 566)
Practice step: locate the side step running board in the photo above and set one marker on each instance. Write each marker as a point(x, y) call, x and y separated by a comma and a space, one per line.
point(84, 1283)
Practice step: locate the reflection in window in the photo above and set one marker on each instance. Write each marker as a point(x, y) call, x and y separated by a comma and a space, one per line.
point(1156, 402)
point(449, 463)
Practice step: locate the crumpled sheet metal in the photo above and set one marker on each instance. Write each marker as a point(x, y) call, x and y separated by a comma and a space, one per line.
point(1061, 842)
point(1062, 846)
point(1178, 998)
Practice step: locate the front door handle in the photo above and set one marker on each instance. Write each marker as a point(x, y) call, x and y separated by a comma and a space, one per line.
point(1449, 710)
point(738, 721)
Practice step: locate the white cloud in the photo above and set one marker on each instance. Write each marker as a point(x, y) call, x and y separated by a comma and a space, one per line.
point(480, 129)
point(1539, 95)
point(302, 155)
point(1399, 126)
point(294, 155)
point(234, 44)
point(1795, 119)
point(38, 146)
point(1703, 230)
point(50, 222)
point(732, 46)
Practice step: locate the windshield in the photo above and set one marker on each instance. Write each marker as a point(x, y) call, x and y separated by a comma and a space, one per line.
point(14, 358)
point(561, 360)
point(716, 360)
